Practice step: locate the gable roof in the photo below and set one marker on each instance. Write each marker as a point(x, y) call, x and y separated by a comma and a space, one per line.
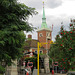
point(31, 44)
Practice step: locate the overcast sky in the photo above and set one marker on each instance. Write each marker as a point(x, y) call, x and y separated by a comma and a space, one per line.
point(56, 11)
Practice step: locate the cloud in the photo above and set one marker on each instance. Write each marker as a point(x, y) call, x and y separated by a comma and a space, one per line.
point(32, 3)
point(36, 20)
point(54, 3)
point(39, 3)
point(68, 0)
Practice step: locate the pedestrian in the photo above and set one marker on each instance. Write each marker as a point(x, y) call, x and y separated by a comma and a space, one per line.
point(29, 69)
point(27, 73)
point(52, 72)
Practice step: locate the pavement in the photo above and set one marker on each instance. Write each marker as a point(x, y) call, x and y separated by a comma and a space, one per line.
point(35, 73)
point(51, 74)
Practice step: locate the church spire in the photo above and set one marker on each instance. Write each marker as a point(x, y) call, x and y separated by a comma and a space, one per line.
point(44, 25)
point(43, 11)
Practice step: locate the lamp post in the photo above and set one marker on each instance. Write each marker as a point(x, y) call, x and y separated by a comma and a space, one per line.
point(38, 58)
point(40, 45)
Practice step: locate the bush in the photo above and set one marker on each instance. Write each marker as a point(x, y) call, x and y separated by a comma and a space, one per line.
point(2, 69)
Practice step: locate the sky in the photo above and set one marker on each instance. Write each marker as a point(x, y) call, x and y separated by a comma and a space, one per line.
point(56, 11)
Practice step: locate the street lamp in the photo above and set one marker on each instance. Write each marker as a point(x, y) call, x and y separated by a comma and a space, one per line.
point(40, 45)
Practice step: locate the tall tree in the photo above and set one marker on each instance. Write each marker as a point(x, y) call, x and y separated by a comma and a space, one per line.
point(65, 43)
point(13, 22)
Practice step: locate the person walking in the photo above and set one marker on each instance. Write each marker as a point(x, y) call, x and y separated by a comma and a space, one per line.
point(27, 73)
point(29, 70)
point(52, 72)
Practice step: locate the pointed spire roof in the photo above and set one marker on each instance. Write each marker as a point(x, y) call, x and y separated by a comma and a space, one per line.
point(43, 25)
point(43, 11)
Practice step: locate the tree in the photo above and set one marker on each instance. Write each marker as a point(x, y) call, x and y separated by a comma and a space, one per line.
point(13, 22)
point(65, 46)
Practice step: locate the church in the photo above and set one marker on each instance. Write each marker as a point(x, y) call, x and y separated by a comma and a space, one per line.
point(44, 35)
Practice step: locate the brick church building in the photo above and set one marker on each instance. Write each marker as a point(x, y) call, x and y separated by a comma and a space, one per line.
point(44, 34)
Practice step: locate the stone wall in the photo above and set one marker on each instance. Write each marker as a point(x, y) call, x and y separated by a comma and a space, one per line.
point(12, 70)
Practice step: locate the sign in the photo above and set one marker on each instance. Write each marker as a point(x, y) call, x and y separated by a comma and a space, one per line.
point(30, 64)
point(56, 63)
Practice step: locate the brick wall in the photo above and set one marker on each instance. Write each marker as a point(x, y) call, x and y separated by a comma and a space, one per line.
point(43, 38)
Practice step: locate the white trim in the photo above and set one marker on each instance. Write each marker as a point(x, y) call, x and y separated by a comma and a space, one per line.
point(44, 29)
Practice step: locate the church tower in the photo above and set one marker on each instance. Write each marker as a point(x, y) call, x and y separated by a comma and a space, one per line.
point(44, 33)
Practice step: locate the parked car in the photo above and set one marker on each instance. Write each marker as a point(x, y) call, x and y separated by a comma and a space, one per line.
point(71, 73)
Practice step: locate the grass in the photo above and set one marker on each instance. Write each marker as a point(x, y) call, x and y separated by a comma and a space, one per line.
point(72, 70)
point(1, 74)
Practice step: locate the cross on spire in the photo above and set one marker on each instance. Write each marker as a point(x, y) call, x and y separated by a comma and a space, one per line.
point(43, 4)
point(43, 11)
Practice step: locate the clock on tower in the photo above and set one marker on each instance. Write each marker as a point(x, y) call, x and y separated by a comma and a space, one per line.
point(48, 36)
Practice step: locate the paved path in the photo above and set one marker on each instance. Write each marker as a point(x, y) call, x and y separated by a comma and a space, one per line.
point(51, 74)
point(35, 73)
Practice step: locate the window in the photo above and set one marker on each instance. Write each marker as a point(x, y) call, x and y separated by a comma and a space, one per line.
point(36, 52)
point(40, 52)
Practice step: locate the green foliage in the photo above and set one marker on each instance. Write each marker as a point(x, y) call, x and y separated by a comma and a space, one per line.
point(2, 69)
point(12, 45)
point(50, 60)
point(41, 54)
point(13, 22)
point(13, 16)
point(64, 49)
